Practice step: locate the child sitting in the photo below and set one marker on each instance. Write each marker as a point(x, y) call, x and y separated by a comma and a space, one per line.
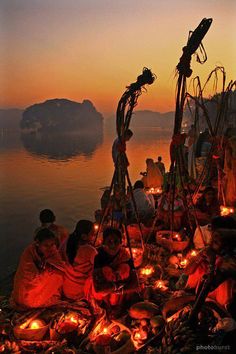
point(112, 268)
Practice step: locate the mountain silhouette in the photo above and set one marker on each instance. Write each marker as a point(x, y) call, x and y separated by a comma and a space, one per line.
point(61, 115)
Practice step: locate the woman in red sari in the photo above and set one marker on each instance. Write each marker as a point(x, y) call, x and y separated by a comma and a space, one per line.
point(79, 254)
point(39, 276)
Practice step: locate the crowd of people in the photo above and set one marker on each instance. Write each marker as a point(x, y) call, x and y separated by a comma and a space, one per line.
point(52, 270)
point(58, 266)
point(55, 268)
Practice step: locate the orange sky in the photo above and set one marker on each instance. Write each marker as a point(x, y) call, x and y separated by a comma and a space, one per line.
point(92, 49)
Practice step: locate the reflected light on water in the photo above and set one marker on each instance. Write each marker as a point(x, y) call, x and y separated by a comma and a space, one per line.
point(31, 182)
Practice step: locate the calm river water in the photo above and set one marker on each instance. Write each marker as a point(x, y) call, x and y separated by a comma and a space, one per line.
point(64, 173)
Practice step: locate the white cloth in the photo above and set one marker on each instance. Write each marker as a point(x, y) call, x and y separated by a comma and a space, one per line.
point(145, 202)
point(202, 240)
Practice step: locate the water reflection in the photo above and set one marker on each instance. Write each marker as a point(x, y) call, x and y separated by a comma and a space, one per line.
point(62, 146)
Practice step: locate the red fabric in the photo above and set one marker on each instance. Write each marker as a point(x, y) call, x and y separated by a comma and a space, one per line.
point(123, 271)
point(35, 287)
point(108, 274)
point(223, 294)
point(59, 231)
point(116, 271)
point(77, 274)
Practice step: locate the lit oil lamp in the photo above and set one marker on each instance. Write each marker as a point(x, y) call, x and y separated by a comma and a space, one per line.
point(96, 227)
point(160, 284)
point(139, 337)
point(68, 324)
point(105, 330)
point(226, 210)
point(35, 324)
point(193, 253)
point(148, 270)
point(73, 319)
point(183, 263)
point(177, 237)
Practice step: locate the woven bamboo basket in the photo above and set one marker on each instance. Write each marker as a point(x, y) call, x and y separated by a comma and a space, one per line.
point(163, 238)
point(126, 348)
point(29, 333)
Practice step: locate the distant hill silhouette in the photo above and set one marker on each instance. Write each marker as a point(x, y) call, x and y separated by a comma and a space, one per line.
point(62, 115)
point(10, 119)
point(147, 119)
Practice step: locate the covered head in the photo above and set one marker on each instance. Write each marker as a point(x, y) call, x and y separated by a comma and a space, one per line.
point(149, 161)
point(83, 233)
point(46, 242)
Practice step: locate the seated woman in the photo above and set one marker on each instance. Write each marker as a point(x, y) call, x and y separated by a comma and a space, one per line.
point(39, 276)
point(164, 210)
point(153, 177)
point(207, 206)
point(79, 255)
point(222, 248)
point(47, 219)
point(112, 276)
point(144, 202)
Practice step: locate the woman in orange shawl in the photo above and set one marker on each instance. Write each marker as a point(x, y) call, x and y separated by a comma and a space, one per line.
point(79, 255)
point(39, 277)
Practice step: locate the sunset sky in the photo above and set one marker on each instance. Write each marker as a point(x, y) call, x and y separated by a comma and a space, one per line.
point(92, 49)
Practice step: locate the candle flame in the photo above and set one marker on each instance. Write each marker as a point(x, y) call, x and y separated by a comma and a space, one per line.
point(137, 335)
point(72, 319)
point(35, 324)
point(193, 253)
point(177, 237)
point(153, 190)
point(226, 210)
point(96, 227)
point(159, 284)
point(184, 262)
point(147, 271)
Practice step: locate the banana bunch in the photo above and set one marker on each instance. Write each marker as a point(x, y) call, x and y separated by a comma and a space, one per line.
point(180, 337)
